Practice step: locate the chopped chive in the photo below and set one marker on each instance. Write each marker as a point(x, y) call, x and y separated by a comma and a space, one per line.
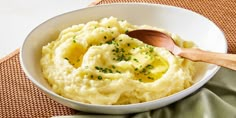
point(99, 77)
point(74, 41)
point(128, 44)
point(96, 67)
point(66, 58)
point(110, 71)
point(151, 49)
point(144, 70)
point(109, 42)
point(150, 78)
point(149, 66)
point(127, 59)
point(104, 70)
point(135, 60)
point(105, 37)
point(91, 76)
point(113, 66)
point(126, 31)
point(140, 80)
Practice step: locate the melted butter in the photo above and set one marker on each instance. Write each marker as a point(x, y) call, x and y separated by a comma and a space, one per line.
point(152, 71)
point(75, 54)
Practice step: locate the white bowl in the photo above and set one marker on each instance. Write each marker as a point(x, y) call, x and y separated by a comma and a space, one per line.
point(189, 25)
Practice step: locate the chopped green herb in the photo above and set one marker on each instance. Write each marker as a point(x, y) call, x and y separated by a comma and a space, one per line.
point(136, 69)
point(91, 76)
point(144, 71)
point(118, 71)
point(78, 60)
point(110, 71)
point(149, 66)
point(104, 70)
point(150, 78)
point(74, 41)
point(109, 26)
point(128, 44)
point(116, 50)
point(105, 37)
point(135, 60)
point(151, 49)
point(66, 58)
point(140, 80)
point(128, 58)
point(74, 37)
point(109, 42)
point(113, 66)
point(99, 77)
point(126, 31)
point(98, 68)
point(121, 57)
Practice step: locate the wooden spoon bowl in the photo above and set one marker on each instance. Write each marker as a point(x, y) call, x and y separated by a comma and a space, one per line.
point(160, 39)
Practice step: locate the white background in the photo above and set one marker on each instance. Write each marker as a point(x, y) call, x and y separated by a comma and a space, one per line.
point(19, 17)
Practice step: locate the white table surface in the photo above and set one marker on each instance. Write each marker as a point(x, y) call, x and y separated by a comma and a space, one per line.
point(19, 17)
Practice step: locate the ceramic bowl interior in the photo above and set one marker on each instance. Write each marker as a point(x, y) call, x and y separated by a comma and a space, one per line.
point(187, 24)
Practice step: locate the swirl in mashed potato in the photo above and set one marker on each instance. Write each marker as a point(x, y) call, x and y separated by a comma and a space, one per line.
point(98, 63)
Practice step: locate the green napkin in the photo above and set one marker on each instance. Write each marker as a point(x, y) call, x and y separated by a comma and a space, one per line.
point(216, 99)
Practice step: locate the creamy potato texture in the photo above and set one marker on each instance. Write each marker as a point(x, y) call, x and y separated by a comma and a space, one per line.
point(98, 63)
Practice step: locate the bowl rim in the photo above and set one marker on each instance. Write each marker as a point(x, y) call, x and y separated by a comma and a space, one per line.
point(126, 106)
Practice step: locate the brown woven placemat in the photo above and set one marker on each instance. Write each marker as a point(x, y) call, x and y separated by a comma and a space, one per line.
point(20, 98)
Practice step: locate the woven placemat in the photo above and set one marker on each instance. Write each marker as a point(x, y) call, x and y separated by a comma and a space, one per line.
point(20, 98)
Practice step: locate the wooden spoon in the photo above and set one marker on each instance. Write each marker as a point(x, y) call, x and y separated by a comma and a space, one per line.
point(160, 39)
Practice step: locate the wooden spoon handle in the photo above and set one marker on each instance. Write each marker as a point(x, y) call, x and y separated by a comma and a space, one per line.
point(221, 59)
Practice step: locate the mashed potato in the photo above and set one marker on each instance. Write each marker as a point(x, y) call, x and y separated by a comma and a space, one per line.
point(98, 63)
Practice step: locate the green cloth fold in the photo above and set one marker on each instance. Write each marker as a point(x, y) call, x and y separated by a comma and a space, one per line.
point(216, 99)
